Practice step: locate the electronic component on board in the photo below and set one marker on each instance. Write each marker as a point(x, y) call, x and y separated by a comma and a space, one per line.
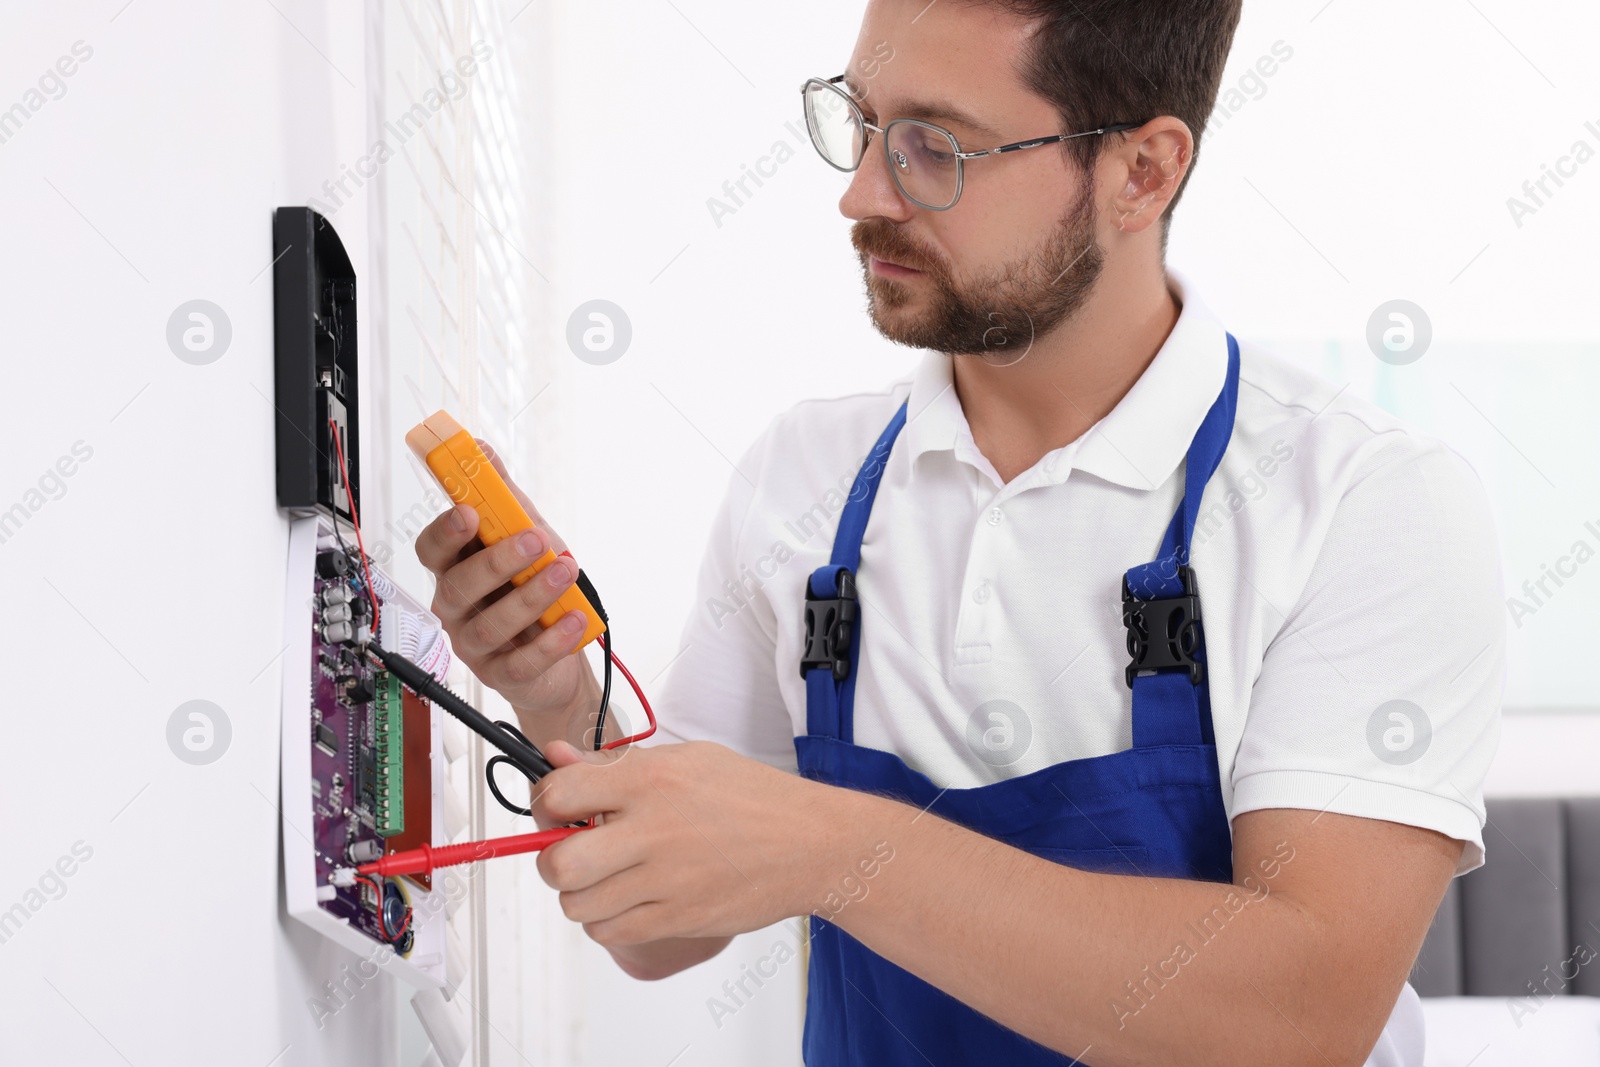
point(358, 687)
point(363, 851)
point(338, 633)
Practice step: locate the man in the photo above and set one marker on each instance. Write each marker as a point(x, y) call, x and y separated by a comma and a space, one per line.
point(1141, 685)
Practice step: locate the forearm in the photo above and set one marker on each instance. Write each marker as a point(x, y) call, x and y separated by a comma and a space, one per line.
point(650, 960)
point(1138, 970)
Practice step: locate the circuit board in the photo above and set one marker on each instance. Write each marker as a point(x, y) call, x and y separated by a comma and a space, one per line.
point(360, 750)
point(361, 758)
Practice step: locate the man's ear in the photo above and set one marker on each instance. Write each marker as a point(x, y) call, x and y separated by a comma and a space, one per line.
point(1153, 161)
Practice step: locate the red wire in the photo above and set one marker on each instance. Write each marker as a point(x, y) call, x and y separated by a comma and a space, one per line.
point(378, 890)
point(383, 922)
point(355, 520)
point(619, 742)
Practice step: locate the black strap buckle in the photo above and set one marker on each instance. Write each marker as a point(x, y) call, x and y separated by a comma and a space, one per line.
point(1164, 632)
point(830, 621)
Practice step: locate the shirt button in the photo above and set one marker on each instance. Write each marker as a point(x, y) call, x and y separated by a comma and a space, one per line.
point(981, 594)
point(995, 515)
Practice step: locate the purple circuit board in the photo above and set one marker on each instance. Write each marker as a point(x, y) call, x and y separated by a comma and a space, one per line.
point(343, 779)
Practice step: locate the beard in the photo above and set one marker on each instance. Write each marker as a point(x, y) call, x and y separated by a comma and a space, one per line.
point(997, 314)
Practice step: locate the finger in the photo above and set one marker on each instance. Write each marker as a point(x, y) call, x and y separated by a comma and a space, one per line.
point(562, 754)
point(522, 498)
point(579, 790)
point(637, 925)
point(441, 542)
point(525, 661)
point(587, 859)
point(497, 626)
point(461, 588)
point(609, 897)
point(585, 754)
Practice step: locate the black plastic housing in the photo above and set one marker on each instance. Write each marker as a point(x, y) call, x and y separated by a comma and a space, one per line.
point(314, 323)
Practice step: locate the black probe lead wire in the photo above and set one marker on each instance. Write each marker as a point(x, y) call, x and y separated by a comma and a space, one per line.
point(584, 584)
point(488, 773)
point(605, 695)
point(525, 756)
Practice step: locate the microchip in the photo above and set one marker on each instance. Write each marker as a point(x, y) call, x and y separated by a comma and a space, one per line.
point(366, 792)
point(327, 740)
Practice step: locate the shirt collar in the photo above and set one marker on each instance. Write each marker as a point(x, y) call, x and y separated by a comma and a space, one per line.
point(1138, 444)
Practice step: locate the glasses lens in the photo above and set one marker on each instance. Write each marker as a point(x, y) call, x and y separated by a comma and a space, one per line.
point(924, 161)
point(835, 131)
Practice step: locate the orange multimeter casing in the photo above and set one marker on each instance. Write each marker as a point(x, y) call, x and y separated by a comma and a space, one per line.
point(464, 472)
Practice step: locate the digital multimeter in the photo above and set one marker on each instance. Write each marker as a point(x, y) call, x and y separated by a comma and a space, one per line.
point(466, 474)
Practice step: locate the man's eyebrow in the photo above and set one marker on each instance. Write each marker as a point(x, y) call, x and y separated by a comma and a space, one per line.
point(929, 111)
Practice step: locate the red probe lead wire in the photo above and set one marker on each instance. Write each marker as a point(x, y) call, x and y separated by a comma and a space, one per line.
point(425, 859)
point(651, 715)
point(605, 644)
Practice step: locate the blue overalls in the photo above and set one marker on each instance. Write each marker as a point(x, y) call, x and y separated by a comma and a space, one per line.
point(1155, 809)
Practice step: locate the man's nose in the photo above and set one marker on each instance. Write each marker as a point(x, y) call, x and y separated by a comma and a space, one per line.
point(873, 189)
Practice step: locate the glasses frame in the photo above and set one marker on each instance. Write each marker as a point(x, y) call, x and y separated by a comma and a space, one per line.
point(961, 157)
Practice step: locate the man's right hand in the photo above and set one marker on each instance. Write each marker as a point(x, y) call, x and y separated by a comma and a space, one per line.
point(494, 626)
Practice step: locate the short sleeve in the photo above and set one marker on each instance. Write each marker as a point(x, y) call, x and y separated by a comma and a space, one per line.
point(722, 684)
point(1379, 696)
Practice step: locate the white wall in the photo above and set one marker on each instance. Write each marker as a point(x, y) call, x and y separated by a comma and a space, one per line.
point(156, 578)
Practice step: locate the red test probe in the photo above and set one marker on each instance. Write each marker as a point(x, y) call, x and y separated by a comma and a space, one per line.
point(426, 859)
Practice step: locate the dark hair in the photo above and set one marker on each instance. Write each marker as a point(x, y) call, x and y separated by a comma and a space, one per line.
point(1105, 61)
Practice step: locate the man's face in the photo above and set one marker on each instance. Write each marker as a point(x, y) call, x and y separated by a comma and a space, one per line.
point(1018, 253)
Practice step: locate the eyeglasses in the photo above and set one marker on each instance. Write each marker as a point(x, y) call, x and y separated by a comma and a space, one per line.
point(925, 159)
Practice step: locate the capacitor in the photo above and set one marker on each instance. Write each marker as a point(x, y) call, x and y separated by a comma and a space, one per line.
point(337, 633)
point(364, 851)
point(332, 613)
point(337, 594)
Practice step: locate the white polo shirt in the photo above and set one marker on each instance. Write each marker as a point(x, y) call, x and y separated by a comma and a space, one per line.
point(1345, 560)
point(1347, 565)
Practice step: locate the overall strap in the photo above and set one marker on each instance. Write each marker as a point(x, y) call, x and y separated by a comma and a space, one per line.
point(1161, 602)
point(833, 630)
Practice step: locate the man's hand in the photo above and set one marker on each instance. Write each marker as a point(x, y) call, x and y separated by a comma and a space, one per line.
point(494, 627)
point(696, 842)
